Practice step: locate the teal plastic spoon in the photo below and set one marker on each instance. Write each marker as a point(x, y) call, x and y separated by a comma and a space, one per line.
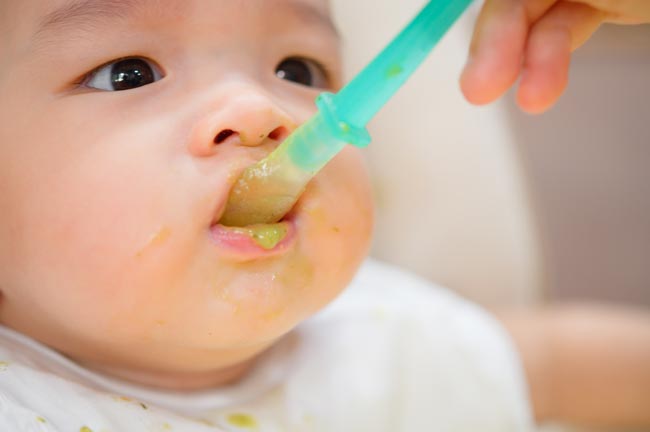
point(269, 189)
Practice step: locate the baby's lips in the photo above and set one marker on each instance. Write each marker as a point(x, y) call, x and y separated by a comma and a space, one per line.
point(254, 242)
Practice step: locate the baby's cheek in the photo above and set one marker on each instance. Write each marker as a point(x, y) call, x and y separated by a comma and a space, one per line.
point(84, 241)
point(338, 225)
point(346, 192)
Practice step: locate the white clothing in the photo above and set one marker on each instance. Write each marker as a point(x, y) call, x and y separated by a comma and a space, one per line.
point(392, 353)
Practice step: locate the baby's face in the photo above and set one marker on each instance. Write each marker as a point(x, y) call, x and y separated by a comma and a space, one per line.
point(117, 159)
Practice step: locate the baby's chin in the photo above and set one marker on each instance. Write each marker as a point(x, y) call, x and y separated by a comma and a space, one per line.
point(260, 294)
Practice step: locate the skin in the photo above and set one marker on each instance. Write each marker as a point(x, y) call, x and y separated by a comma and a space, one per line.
point(532, 40)
point(586, 364)
point(108, 198)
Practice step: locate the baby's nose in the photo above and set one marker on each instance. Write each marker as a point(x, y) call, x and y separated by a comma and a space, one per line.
point(245, 117)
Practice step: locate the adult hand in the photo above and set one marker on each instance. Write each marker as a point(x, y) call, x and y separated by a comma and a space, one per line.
point(533, 39)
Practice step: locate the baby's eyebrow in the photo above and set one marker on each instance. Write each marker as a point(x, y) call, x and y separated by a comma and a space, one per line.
point(312, 14)
point(84, 14)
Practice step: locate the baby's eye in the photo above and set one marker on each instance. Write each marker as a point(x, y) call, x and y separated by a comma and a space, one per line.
point(124, 74)
point(303, 71)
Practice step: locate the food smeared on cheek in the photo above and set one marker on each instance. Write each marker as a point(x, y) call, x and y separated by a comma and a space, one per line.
point(156, 240)
point(273, 315)
point(298, 273)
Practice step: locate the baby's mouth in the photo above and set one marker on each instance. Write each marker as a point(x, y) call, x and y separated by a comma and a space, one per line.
point(265, 192)
point(263, 236)
point(231, 227)
point(256, 240)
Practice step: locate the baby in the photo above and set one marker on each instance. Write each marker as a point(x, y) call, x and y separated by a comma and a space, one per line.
point(126, 306)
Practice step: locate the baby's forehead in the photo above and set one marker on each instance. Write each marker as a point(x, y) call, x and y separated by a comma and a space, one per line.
point(52, 6)
point(22, 20)
point(55, 11)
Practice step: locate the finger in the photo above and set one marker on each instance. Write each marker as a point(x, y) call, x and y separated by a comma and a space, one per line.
point(552, 38)
point(497, 47)
point(622, 12)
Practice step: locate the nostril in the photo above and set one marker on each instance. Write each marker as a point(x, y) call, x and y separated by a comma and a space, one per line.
point(223, 135)
point(278, 133)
